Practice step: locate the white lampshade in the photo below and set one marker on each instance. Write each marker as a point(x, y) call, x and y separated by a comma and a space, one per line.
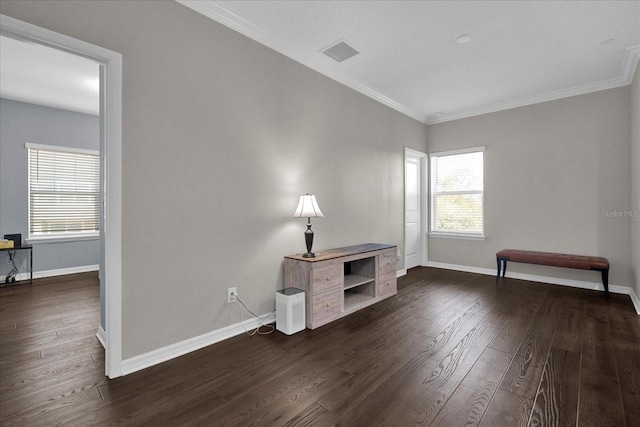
point(308, 207)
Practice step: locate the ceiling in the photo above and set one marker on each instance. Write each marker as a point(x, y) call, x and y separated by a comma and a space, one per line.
point(42, 75)
point(519, 52)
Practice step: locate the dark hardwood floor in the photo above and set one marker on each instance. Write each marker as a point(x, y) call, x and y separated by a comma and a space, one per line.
point(451, 349)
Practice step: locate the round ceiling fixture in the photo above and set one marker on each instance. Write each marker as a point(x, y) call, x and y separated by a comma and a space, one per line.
point(464, 38)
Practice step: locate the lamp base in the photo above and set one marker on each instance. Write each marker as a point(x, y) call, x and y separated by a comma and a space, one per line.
point(308, 239)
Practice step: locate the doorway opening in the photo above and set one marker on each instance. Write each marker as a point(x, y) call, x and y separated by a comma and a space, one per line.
point(110, 88)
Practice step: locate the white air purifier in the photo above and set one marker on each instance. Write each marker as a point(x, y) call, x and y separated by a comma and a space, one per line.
point(290, 316)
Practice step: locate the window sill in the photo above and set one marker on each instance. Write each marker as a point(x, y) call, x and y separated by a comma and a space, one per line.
point(62, 239)
point(462, 236)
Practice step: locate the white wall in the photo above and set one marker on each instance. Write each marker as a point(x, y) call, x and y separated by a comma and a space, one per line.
point(551, 170)
point(220, 137)
point(635, 182)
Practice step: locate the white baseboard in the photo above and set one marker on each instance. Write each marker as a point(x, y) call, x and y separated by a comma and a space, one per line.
point(616, 289)
point(56, 272)
point(65, 271)
point(172, 351)
point(102, 337)
point(464, 268)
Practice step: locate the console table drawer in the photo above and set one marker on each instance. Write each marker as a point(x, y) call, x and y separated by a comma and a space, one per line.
point(387, 262)
point(327, 277)
point(387, 284)
point(326, 306)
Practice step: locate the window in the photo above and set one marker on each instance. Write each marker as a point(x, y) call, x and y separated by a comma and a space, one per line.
point(64, 192)
point(457, 193)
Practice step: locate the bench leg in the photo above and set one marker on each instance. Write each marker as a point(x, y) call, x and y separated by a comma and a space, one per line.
point(501, 267)
point(605, 282)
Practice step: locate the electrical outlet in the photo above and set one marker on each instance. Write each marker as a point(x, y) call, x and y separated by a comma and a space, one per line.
point(231, 295)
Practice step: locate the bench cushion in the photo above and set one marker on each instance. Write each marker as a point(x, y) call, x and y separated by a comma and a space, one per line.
point(581, 262)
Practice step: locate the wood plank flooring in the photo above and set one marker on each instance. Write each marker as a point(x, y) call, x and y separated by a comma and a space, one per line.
point(451, 349)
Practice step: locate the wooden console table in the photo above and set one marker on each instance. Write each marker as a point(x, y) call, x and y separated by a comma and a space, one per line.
point(340, 281)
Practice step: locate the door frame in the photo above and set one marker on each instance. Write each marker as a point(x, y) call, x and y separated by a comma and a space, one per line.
point(423, 203)
point(111, 176)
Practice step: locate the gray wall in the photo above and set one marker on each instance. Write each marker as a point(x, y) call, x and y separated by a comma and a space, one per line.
point(551, 170)
point(635, 182)
point(220, 137)
point(20, 123)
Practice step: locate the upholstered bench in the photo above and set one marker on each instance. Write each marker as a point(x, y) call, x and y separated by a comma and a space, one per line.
point(580, 262)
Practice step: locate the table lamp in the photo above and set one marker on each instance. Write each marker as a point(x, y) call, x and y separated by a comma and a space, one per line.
point(308, 208)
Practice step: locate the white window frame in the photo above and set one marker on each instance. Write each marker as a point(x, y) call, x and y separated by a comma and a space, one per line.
point(432, 214)
point(54, 237)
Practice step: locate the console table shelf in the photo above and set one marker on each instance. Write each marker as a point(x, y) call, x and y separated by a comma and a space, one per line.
point(340, 281)
point(354, 301)
point(353, 280)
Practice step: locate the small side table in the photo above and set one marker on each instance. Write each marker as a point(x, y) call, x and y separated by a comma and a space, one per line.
point(22, 248)
point(290, 315)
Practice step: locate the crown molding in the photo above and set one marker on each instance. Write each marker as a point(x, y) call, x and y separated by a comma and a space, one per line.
point(629, 64)
point(530, 100)
point(226, 17)
point(626, 75)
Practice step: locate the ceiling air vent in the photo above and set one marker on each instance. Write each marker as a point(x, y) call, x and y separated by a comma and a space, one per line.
point(340, 51)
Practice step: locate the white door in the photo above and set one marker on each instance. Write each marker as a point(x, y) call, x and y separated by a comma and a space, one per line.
point(414, 231)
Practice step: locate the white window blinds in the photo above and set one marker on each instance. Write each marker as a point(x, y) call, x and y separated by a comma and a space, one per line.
point(457, 192)
point(64, 191)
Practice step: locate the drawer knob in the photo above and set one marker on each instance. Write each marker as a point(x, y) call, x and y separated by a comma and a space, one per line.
point(328, 304)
